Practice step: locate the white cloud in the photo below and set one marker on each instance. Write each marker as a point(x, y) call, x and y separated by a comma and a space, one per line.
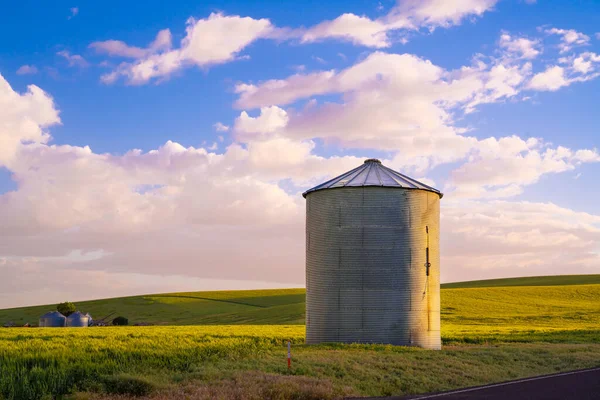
point(270, 120)
point(414, 104)
point(220, 38)
point(74, 60)
point(117, 48)
point(406, 15)
point(553, 78)
point(220, 127)
point(210, 41)
point(27, 70)
point(520, 46)
point(502, 167)
point(213, 40)
point(411, 99)
point(437, 13)
point(570, 38)
point(23, 119)
point(284, 91)
point(585, 63)
point(359, 30)
point(504, 239)
point(119, 219)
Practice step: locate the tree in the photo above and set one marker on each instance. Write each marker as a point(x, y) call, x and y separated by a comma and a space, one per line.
point(120, 321)
point(67, 308)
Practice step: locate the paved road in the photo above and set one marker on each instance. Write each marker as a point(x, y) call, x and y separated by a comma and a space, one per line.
point(576, 385)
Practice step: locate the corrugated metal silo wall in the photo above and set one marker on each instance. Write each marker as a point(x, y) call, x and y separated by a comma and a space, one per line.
point(366, 278)
point(82, 322)
point(52, 322)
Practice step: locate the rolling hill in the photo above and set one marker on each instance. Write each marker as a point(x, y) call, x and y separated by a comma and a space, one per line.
point(556, 280)
point(540, 302)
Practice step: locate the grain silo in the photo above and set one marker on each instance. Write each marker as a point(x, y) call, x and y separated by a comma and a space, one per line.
point(52, 319)
point(78, 320)
point(372, 259)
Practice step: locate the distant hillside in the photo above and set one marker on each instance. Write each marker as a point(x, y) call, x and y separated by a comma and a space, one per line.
point(273, 307)
point(287, 306)
point(557, 280)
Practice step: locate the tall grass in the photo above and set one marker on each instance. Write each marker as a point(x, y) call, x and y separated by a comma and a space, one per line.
point(532, 330)
point(36, 362)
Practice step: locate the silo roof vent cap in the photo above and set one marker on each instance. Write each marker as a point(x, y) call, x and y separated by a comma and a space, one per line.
point(368, 160)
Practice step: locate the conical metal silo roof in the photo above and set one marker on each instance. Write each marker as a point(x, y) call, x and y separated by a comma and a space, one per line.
point(373, 173)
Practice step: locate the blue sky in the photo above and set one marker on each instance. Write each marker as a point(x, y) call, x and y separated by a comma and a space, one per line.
point(66, 49)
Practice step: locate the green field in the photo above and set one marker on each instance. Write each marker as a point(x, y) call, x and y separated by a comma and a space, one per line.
point(286, 306)
point(490, 334)
point(557, 280)
point(278, 306)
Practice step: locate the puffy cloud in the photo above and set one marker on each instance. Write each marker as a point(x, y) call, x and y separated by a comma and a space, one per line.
point(509, 238)
point(585, 63)
point(521, 47)
point(358, 29)
point(414, 104)
point(576, 68)
point(209, 41)
point(553, 78)
point(406, 15)
point(27, 70)
point(167, 219)
point(270, 120)
point(501, 167)
point(190, 203)
point(570, 38)
point(411, 99)
point(23, 119)
point(220, 38)
point(437, 13)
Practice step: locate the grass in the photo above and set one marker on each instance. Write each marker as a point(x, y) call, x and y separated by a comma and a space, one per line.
point(285, 306)
point(567, 314)
point(490, 334)
point(274, 307)
point(214, 360)
point(557, 280)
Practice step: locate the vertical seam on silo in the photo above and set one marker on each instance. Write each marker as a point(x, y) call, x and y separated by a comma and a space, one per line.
point(339, 316)
point(378, 177)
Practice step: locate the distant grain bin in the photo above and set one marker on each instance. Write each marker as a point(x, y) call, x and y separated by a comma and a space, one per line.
point(52, 319)
point(372, 259)
point(78, 320)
